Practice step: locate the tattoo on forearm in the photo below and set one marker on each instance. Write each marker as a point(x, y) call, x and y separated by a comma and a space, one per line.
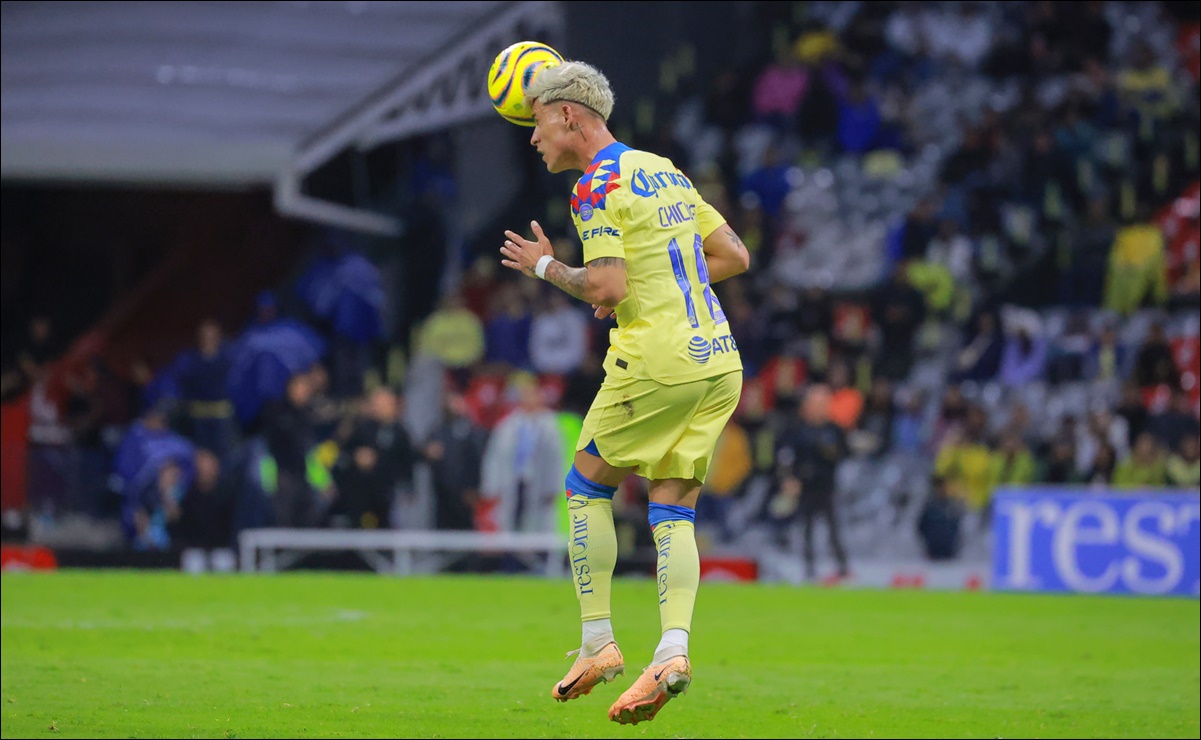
point(574, 280)
point(734, 237)
point(571, 280)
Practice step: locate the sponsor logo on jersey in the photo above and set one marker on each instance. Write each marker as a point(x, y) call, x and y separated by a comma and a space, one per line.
point(648, 184)
point(701, 349)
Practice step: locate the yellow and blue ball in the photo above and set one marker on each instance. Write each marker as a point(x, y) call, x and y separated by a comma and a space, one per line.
point(510, 75)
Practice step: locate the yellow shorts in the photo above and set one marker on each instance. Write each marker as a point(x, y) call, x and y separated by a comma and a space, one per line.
point(664, 431)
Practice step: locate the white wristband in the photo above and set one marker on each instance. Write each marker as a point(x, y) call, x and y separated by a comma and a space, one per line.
point(540, 268)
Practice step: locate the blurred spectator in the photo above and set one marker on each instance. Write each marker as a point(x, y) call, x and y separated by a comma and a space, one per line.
point(769, 182)
point(84, 415)
point(1020, 423)
point(953, 250)
point(909, 428)
point(1145, 468)
point(344, 292)
point(376, 465)
point(1184, 465)
point(1060, 467)
point(1024, 356)
point(873, 433)
point(33, 357)
point(846, 402)
point(1154, 364)
point(1107, 360)
point(1101, 430)
point(206, 512)
point(1146, 90)
point(965, 461)
point(507, 333)
point(1069, 352)
point(917, 231)
point(523, 467)
point(1137, 273)
point(157, 510)
point(290, 437)
point(50, 464)
point(1173, 424)
point(859, 127)
point(779, 89)
point(455, 453)
point(1132, 409)
point(980, 358)
point(898, 309)
point(763, 425)
point(479, 283)
point(559, 336)
point(453, 334)
point(203, 378)
point(808, 454)
point(1012, 464)
point(1101, 470)
point(938, 524)
point(952, 415)
point(1089, 255)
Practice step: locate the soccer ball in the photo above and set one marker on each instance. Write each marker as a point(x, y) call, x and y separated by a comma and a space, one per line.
point(512, 71)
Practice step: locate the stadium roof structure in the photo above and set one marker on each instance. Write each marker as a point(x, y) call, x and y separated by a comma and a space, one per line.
point(242, 94)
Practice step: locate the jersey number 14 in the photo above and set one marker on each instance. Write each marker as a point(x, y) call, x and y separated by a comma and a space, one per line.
point(702, 272)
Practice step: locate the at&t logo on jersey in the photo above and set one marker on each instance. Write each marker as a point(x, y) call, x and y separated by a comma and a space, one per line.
point(701, 349)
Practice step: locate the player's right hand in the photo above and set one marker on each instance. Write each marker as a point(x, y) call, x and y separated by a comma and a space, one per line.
point(602, 312)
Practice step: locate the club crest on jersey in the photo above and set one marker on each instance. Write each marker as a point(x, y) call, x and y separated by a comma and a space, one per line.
point(598, 181)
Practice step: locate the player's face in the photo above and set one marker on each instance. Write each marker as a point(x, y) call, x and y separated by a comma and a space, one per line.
point(551, 136)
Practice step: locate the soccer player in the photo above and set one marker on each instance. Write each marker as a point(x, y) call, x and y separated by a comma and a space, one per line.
point(652, 248)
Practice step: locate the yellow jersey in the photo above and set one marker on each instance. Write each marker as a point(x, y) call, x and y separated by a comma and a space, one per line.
point(639, 207)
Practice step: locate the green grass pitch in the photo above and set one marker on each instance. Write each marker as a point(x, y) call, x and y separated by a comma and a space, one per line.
point(126, 654)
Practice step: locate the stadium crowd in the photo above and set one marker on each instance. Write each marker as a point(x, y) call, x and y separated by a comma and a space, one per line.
point(974, 235)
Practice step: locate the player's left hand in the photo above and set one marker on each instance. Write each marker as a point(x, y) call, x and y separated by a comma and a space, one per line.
point(523, 254)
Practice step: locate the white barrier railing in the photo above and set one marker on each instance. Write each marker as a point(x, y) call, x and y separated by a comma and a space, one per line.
point(280, 548)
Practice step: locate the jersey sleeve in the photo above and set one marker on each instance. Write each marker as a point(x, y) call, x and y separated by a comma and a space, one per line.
point(708, 220)
point(601, 228)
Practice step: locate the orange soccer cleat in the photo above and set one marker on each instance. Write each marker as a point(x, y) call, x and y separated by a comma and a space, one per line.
point(586, 673)
point(656, 686)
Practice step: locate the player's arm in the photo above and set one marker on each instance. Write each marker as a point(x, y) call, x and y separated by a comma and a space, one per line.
point(725, 254)
point(602, 282)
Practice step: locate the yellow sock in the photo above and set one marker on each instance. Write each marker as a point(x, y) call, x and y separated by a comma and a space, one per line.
point(592, 554)
point(678, 573)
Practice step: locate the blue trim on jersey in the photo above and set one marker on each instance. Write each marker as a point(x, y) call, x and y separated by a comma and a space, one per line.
point(578, 485)
point(591, 449)
point(613, 152)
point(659, 513)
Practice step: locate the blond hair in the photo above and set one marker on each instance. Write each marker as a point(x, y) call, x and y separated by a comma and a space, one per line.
point(574, 82)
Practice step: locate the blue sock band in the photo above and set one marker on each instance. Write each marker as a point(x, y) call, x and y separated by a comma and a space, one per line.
point(659, 513)
point(578, 485)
